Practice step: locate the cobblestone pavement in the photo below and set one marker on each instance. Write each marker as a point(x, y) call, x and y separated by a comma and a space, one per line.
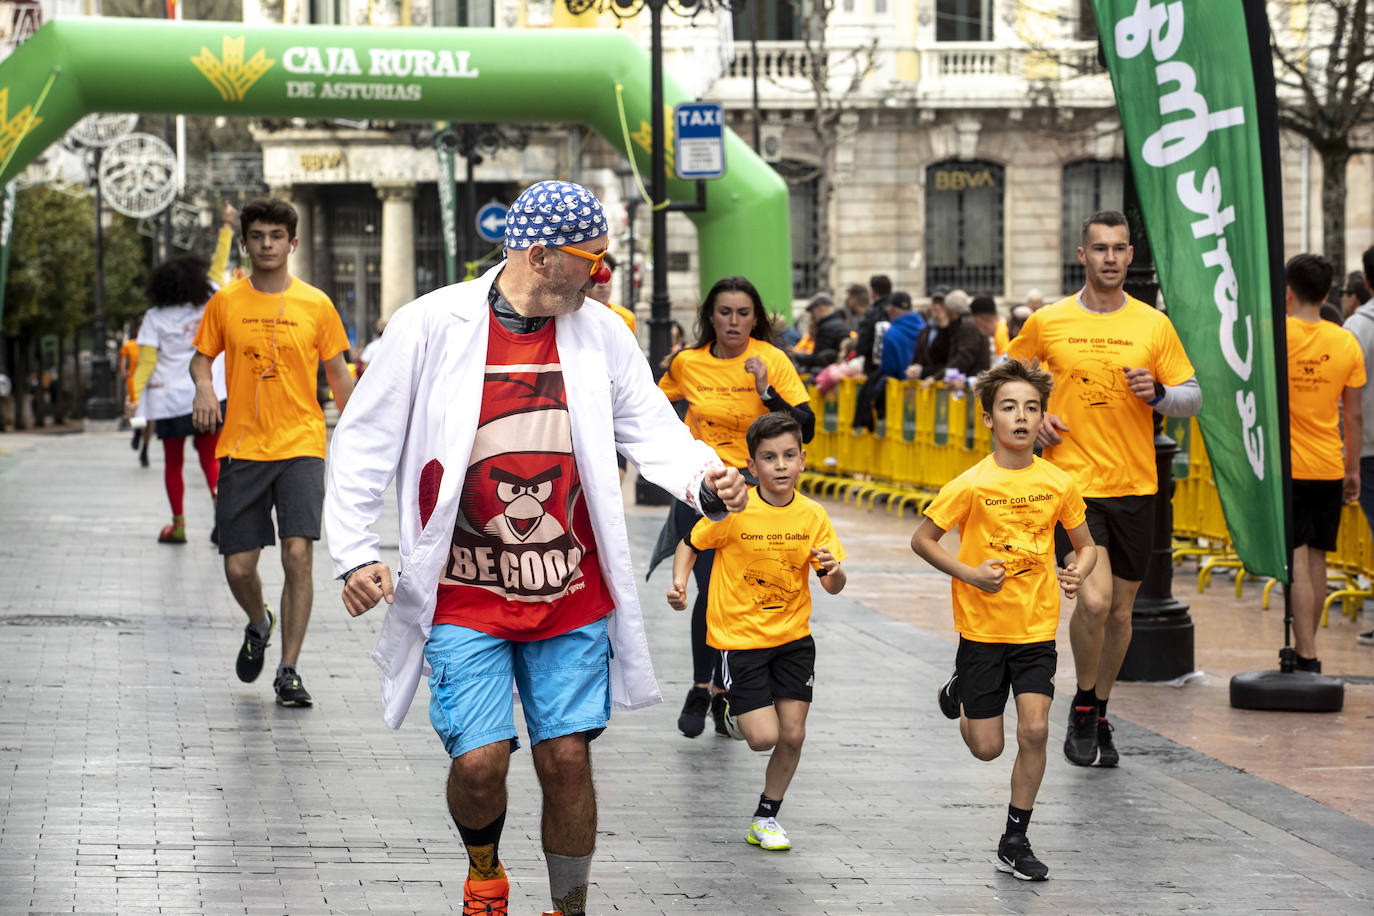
point(140, 776)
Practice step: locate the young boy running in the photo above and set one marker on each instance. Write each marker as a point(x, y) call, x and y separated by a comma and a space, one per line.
point(1006, 608)
point(758, 610)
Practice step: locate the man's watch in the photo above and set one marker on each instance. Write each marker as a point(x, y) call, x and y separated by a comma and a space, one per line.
point(1159, 393)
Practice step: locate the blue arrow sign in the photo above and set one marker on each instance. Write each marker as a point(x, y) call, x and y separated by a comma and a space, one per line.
point(491, 222)
point(699, 129)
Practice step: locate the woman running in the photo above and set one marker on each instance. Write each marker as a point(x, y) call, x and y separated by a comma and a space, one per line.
point(163, 390)
point(732, 375)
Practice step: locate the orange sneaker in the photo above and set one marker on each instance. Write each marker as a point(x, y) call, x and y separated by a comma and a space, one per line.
point(486, 898)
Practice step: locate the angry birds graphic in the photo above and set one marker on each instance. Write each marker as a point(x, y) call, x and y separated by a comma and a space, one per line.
point(524, 517)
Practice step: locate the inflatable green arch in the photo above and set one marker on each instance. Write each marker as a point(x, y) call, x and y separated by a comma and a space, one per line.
point(73, 67)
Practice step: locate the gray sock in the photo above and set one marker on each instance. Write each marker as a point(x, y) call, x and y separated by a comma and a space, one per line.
point(261, 627)
point(283, 668)
point(568, 882)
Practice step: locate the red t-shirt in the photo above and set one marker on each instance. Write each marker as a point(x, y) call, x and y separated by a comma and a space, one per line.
point(523, 561)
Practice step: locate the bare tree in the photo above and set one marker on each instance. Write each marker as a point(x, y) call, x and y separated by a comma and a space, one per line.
point(834, 77)
point(1324, 66)
point(1325, 81)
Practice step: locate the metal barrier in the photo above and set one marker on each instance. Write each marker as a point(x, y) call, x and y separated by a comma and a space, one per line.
point(929, 435)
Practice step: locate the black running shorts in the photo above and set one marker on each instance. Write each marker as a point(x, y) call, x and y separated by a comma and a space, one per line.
point(250, 490)
point(753, 677)
point(987, 669)
point(1124, 527)
point(1316, 513)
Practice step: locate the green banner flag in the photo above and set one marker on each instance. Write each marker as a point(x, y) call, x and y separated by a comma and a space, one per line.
point(6, 226)
point(448, 217)
point(1196, 127)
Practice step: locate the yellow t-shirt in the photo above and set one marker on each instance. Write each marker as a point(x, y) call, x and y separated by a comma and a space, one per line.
point(273, 344)
point(1001, 338)
point(129, 350)
point(722, 397)
point(760, 593)
point(1323, 360)
point(625, 314)
point(1109, 446)
point(1008, 515)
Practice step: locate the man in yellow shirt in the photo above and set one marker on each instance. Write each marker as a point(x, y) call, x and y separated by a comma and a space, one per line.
point(1116, 361)
point(1326, 377)
point(274, 331)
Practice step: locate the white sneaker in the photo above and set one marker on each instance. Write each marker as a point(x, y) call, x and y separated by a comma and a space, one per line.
point(732, 724)
point(767, 833)
point(1365, 639)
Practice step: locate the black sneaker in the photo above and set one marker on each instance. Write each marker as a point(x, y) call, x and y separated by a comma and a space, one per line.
point(290, 690)
point(949, 698)
point(1014, 857)
point(1313, 665)
point(1106, 748)
point(253, 650)
point(692, 722)
point(1365, 639)
point(1080, 744)
point(718, 714)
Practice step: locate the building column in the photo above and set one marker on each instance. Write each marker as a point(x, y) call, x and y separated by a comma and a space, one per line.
point(398, 246)
point(302, 264)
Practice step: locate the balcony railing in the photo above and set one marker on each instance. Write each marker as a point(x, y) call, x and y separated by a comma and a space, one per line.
point(948, 60)
point(982, 72)
point(776, 60)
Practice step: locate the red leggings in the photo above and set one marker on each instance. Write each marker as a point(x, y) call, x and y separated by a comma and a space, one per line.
point(173, 451)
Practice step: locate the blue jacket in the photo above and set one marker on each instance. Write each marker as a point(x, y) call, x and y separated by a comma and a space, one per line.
point(899, 345)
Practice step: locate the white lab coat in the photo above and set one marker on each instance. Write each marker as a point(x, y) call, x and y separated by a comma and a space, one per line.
point(419, 401)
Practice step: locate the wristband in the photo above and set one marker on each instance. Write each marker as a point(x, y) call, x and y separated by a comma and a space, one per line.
point(1159, 394)
point(358, 567)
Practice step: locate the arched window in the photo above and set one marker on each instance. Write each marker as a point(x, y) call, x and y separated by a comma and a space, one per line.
point(1089, 185)
point(964, 226)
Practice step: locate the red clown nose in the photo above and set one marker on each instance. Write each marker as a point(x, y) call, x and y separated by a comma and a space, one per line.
point(602, 275)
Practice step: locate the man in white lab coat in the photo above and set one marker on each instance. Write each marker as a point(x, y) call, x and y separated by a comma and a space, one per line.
point(498, 405)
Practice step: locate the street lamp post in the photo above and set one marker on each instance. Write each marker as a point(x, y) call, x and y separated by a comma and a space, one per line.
point(660, 317)
point(101, 405)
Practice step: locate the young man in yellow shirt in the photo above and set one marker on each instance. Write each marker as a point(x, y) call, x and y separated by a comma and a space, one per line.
point(758, 613)
point(1326, 377)
point(1006, 605)
point(274, 331)
point(1116, 362)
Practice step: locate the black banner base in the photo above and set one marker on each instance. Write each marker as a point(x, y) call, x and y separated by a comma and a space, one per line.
point(1287, 691)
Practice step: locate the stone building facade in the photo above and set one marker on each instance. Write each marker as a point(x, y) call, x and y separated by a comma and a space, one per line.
point(975, 137)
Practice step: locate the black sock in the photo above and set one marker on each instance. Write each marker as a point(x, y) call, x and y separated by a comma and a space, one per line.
point(1018, 819)
point(483, 862)
point(1102, 709)
point(1084, 698)
point(767, 807)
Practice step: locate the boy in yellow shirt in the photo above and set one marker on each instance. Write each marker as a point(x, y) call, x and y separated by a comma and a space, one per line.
point(758, 610)
point(1006, 605)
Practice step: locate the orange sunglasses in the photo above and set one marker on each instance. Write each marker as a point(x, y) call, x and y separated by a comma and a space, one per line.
point(596, 259)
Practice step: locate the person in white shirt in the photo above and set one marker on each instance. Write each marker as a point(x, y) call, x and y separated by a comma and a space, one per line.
point(497, 406)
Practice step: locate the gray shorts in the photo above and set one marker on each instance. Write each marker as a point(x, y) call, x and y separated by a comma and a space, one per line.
point(250, 490)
